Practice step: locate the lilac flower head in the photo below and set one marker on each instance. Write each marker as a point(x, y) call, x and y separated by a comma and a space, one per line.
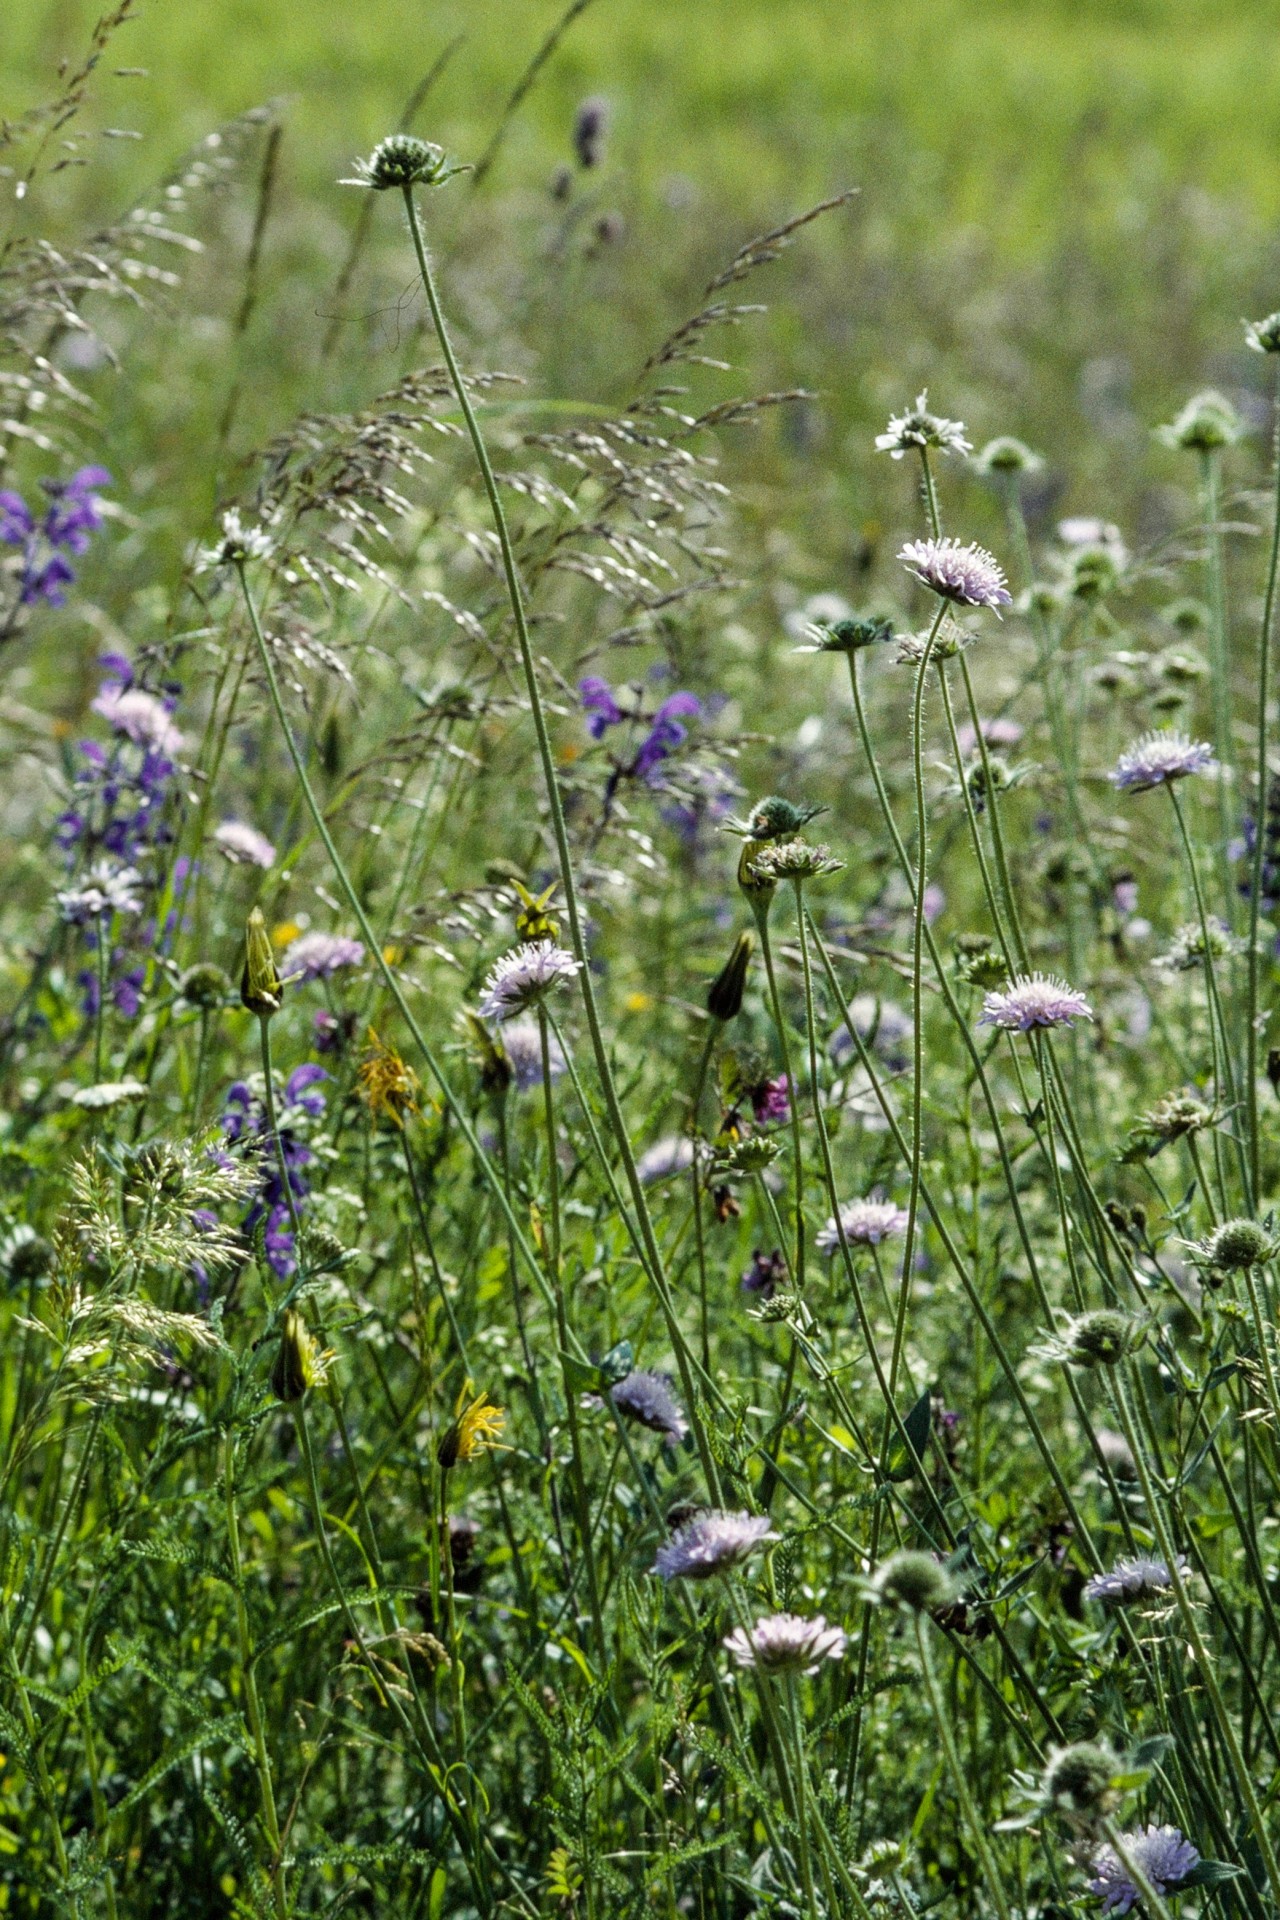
point(16, 523)
point(243, 844)
point(1159, 758)
point(647, 1399)
point(1034, 1000)
point(918, 428)
point(1163, 1855)
point(139, 715)
point(1131, 1580)
point(525, 976)
point(712, 1542)
point(599, 704)
point(522, 1044)
point(665, 734)
point(866, 1223)
point(672, 1154)
point(106, 889)
point(787, 1643)
point(315, 956)
point(968, 575)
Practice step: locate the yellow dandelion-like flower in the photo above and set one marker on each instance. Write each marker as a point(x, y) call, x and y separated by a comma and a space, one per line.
point(475, 1429)
point(387, 1085)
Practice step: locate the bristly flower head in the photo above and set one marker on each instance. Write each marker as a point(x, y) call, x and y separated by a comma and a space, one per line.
point(1162, 1855)
point(712, 1542)
point(773, 818)
point(1032, 1001)
point(525, 976)
point(106, 889)
point(847, 636)
point(139, 716)
point(1159, 758)
point(647, 1399)
point(1132, 1580)
point(918, 429)
point(238, 546)
point(795, 860)
point(1208, 421)
point(1236, 1246)
point(316, 956)
point(1190, 945)
point(1263, 335)
point(787, 1643)
point(1101, 1338)
point(969, 575)
point(1078, 1780)
point(522, 1044)
point(243, 844)
point(915, 1582)
point(401, 160)
point(1007, 455)
point(866, 1223)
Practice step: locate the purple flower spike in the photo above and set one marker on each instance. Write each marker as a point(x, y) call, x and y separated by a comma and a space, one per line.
point(665, 734)
point(16, 524)
point(598, 702)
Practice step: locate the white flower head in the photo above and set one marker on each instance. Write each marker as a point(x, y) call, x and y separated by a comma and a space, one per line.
point(1032, 1001)
point(712, 1542)
point(239, 545)
point(525, 976)
point(1159, 758)
point(866, 1223)
point(969, 575)
point(917, 429)
point(105, 890)
point(672, 1154)
point(648, 1399)
point(244, 845)
point(315, 956)
point(787, 1643)
point(1163, 1855)
point(1131, 1580)
point(522, 1044)
point(139, 716)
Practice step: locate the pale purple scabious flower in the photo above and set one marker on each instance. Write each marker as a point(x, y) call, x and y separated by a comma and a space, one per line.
point(1163, 1854)
point(242, 843)
point(647, 1399)
point(967, 574)
point(918, 428)
point(1131, 1580)
point(139, 715)
point(522, 1044)
point(1160, 758)
point(882, 1025)
point(525, 976)
point(998, 732)
point(866, 1223)
point(672, 1154)
point(710, 1543)
point(1033, 1000)
point(106, 889)
point(787, 1643)
point(314, 956)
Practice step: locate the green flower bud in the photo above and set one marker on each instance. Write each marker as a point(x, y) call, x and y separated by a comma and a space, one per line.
point(401, 160)
point(205, 986)
point(298, 1363)
point(260, 984)
point(1238, 1245)
point(915, 1582)
point(1078, 1780)
point(1102, 1338)
point(724, 998)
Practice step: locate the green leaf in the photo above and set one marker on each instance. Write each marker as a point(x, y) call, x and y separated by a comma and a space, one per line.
point(1209, 1873)
point(916, 1426)
point(618, 1362)
point(1149, 1753)
point(579, 1377)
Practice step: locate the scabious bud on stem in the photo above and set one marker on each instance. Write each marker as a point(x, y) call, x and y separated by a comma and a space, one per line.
point(724, 999)
point(1078, 1780)
point(260, 984)
point(914, 1581)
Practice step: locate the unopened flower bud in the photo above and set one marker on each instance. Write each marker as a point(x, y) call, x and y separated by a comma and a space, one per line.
point(724, 999)
point(205, 986)
point(296, 1366)
point(1078, 1780)
point(1102, 1338)
point(260, 984)
point(914, 1581)
point(1263, 335)
point(1238, 1245)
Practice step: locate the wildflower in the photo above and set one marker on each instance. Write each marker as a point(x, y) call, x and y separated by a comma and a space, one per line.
point(73, 514)
point(765, 1274)
point(916, 1582)
point(865, 1224)
point(238, 546)
point(261, 987)
point(712, 1542)
point(1236, 1246)
point(1007, 455)
point(244, 844)
point(847, 636)
point(1174, 1116)
point(1098, 1339)
point(673, 1154)
point(1263, 335)
point(590, 125)
point(1207, 422)
point(647, 1399)
point(109, 1093)
point(401, 160)
point(299, 1362)
point(317, 956)
point(387, 1085)
point(474, 1430)
point(748, 1156)
point(598, 702)
point(795, 860)
point(533, 922)
point(918, 429)
point(205, 986)
point(522, 1045)
point(244, 1126)
point(1131, 1580)
point(882, 1025)
point(106, 889)
point(724, 996)
point(524, 977)
point(947, 642)
point(140, 716)
point(787, 1643)
point(1077, 1780)
point(774, 818)
point(998, 732)
point(665, 734)
point(1162, 1855)
point(968, 575)
point(1159, 758)
point(1033, 1001)
point(771, 1100)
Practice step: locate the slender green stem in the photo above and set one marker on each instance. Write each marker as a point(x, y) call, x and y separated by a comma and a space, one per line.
point(253, 1710)
point(959, 1778)
point(1252, 1034)
point(793, 1099)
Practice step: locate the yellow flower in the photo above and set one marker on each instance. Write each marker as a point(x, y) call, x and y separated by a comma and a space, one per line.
point(639, 1002)
point(387, 1085)
point(284, 933)
point(475, 1430)
point(299, 1363)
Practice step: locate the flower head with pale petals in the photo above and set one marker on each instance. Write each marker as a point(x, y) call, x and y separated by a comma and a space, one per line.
point(1131, 1580)
point(969, 575)
point(711, 1543)
point(647, 1399)
point(917, 429)
point(243, 844)
point(866, 1223)
point(1163, 1855)
point(314, 956)
point(787, 1643)
point(525, 976)
point(1033, 1001)
point(1160, 758)
point(138, 715)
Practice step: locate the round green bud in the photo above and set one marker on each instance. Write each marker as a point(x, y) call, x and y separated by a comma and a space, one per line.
point(914, 1581)
point(402, 160)
point(1238, 1245)
point(205, 986)
point(1101, 1339)
point(1078, 1780)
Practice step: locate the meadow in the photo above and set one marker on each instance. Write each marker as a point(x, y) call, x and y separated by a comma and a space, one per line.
point(641, 834)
